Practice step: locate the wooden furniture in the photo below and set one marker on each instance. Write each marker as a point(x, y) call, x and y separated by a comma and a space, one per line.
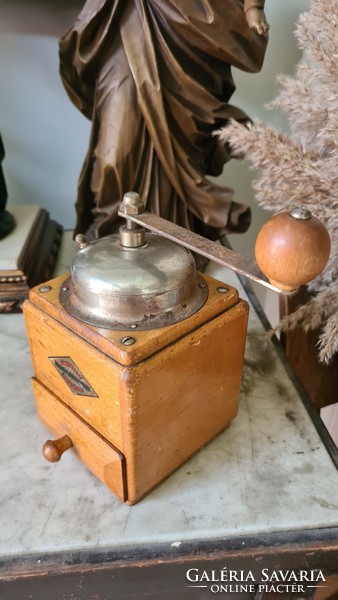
point(136, 404)
point(320, 381)
point(27, 255)
point(263, 494)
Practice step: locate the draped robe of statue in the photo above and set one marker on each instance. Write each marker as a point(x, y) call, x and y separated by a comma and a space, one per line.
point(154, 76)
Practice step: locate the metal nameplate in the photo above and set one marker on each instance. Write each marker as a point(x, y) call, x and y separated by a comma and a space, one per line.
point(72, 376)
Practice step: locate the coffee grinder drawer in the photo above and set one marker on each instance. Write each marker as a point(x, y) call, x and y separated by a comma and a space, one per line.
point(101, 458)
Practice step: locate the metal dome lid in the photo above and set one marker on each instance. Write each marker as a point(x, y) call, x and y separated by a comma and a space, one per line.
point(133, 281)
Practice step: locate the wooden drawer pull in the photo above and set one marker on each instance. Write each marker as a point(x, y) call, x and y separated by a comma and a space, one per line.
point(52, 450)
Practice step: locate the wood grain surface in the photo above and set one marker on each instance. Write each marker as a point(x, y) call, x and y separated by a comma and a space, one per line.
point(164, 398)
point(95, 452)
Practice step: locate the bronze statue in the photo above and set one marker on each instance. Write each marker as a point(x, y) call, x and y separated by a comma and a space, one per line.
point(155, 78)
point(7, 222)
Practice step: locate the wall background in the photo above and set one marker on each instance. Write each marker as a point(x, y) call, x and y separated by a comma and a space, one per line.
point(46, 138)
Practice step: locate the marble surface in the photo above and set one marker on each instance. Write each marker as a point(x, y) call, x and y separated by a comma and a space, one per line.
point(268, 472)
point(11, 248)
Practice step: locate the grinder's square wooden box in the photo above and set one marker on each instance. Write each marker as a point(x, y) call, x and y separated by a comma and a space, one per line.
point(135, 413)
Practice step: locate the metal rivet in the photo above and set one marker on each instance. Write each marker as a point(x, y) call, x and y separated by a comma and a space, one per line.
point(65, 289)
point(202, 285)
point(45, 288)
point(300, 212)
point(81, 240)
point(128, 341)
point(222, 290)
point(134, 325)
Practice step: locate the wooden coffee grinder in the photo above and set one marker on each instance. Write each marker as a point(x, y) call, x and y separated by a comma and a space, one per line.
point(137, 358)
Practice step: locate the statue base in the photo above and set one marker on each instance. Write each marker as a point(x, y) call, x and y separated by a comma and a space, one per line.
point(27, 254)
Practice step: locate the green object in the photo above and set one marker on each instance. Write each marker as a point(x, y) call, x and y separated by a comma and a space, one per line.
point(7, 221)
point(7, 224)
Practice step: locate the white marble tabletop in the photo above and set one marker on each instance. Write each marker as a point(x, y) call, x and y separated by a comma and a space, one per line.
point(12, 246)
point(268, 472)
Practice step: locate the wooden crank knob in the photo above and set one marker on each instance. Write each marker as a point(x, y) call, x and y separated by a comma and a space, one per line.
point(52, 450)
point(292, 248)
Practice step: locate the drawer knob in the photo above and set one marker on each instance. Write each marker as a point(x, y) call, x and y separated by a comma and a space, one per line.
point(52, 450)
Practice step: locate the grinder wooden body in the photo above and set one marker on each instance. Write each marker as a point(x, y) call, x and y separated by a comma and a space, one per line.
point(135, 413)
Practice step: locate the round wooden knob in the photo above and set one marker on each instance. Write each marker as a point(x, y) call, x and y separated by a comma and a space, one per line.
point(52, 450)
point(292, 248)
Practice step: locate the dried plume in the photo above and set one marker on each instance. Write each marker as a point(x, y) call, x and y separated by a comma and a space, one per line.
point(301, 168)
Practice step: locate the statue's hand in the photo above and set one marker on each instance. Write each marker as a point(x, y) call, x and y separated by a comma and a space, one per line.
point(256, 20)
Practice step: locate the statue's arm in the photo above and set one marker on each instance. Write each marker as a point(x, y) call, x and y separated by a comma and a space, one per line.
point(255, 16)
